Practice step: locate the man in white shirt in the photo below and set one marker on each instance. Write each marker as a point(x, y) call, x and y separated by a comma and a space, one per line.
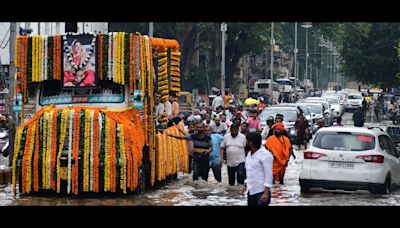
point(234, 145)
point(159, 109)
point(168, 109)
point(195, 116)
point(217, 102)
point(258, 171)
point(208, 120)
point(218, 127)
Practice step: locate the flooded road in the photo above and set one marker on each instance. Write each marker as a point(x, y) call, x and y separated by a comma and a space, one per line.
point(185, 192)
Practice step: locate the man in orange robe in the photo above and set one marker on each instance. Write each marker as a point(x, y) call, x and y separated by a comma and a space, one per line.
point(279, 146)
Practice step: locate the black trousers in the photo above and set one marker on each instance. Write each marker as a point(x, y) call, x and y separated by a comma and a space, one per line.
point(201, 167)
point(238, 173)
point(190, 163)
point(217, 172)
point(254, 200)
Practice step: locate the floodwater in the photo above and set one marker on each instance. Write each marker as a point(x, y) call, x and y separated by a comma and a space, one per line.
point(185, 192)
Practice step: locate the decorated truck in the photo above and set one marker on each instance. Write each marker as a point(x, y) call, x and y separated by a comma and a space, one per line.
point(93, 128)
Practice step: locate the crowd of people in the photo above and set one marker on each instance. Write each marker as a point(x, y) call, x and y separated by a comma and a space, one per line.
point(220, 136)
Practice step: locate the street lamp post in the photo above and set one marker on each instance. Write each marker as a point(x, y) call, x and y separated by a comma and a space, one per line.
point(272, 63)
point(223, 30)
point(295, 54)
point(306, 26)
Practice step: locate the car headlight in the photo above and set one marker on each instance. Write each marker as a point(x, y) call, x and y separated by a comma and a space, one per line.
point(292, 131)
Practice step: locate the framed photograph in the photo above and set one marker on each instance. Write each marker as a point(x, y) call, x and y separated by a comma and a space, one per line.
point(79, 61)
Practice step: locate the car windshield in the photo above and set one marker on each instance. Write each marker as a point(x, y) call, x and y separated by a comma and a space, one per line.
point(315, 108)
point(332, 101)
point(345, 141)
point(305, 110)
point(354, 97)
point(288, 115)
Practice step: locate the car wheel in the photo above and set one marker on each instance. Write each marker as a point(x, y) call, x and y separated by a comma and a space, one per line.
point(304, 188)
point(385, 188)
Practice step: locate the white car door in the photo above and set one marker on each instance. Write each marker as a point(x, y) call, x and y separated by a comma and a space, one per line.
point(392, 160)
point(396, 160)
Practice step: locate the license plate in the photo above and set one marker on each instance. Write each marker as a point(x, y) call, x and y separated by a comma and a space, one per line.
point(341, 165)
point(64, 173)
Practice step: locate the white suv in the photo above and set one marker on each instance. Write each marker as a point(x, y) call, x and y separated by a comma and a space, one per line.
point(351, 158)
point(354, 101)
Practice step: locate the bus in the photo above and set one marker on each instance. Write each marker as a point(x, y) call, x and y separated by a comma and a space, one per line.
point(286, 85)
point(262, 87)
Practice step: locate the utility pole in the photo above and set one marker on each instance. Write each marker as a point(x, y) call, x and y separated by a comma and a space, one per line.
point(12, 71)
point(295, 54)
point(334, 66)
point(315, 63)
point(151, 29)
point(223, 30)
point(306, 26)
point(272, 63)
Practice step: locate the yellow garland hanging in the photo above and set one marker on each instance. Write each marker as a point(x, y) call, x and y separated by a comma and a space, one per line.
point(33, 58)
point(107, 156)
point(44, 148)
point(63, 134)
point(123, 158)
point(117, 57)
point(86, 151)
point(122, 58)
point(17, 147)
point(29, 162)
point(40, 58)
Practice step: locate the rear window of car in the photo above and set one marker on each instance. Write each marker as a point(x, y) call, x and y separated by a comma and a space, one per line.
point(346, 141)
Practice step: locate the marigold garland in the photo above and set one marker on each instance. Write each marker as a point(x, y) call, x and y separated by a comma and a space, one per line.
point(128, 151)
point(107, 156)
point(17, 147)
point(86, 151)
point(36, 161)
point(96, 148)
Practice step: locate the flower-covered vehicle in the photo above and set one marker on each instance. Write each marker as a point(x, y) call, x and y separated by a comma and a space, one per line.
point(94, 134)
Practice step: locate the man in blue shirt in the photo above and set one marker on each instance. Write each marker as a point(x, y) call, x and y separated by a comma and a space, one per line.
point(215, 157)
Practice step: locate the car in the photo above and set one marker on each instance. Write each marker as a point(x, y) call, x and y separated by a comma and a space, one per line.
point(336, 108)
point(303, 108)
point(351, 158)
point(290, 115)
point(317, 114)
point(354, 101)
point(327, 112)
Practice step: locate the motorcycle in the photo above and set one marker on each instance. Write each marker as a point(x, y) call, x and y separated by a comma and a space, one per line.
point(396, 117)
point(4, 142)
